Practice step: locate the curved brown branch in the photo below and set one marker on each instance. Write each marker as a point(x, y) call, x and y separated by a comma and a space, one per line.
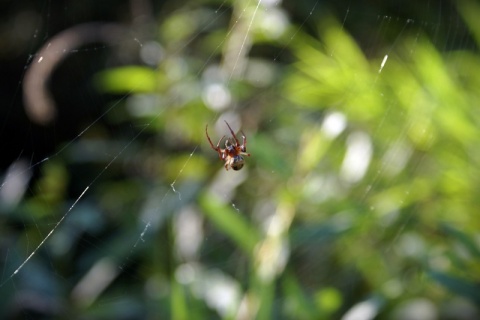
point(39, 105)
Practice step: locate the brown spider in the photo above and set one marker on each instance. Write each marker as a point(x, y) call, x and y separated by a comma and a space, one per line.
point(233, 152)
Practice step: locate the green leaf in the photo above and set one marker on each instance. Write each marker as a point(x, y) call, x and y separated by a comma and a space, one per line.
point(230, 222)
point(328, 300)
point(457, 285)
point(463, 238)
point(297, 303)
point(127, 79)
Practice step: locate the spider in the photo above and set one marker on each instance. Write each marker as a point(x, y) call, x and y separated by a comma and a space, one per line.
point(233, 152)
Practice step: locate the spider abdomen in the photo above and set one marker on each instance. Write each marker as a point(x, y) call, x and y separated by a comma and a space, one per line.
point(237, 163)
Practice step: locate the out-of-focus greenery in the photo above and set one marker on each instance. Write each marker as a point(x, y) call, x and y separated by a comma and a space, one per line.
point(361, 189)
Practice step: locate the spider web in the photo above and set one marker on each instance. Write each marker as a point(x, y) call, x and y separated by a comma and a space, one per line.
point(175, 196)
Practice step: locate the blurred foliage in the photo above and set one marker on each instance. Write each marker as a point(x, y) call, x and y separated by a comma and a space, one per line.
point(361, 189)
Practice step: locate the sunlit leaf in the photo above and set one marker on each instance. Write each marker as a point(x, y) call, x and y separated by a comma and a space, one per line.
point(130, 79)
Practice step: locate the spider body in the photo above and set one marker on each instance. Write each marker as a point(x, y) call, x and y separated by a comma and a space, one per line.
point(233, 152)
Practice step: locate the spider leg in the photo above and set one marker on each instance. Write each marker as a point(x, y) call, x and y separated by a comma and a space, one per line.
point(209, 140)
point(217, 148)
point(218, 144)
point(228, 163)
point(233, 134)
point(243, 147)
point(244, 139)
point(221, 153)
